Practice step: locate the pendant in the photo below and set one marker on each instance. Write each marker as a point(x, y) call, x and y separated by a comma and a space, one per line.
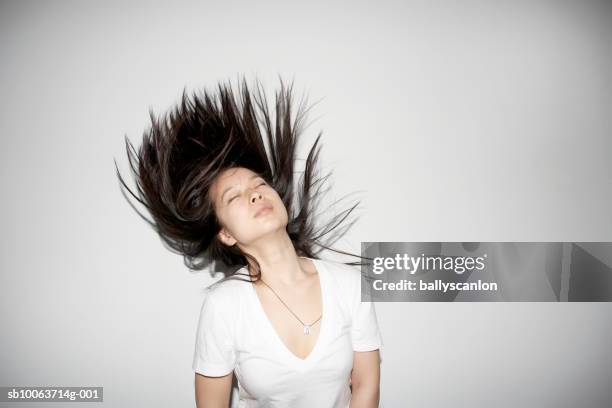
point(306, 329)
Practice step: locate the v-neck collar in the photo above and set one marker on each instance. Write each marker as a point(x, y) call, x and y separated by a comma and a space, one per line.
point(272, 331)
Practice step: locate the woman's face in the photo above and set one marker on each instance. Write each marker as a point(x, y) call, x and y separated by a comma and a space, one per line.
point(246, 206)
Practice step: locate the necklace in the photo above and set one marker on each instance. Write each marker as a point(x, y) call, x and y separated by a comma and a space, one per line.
point(306, 326)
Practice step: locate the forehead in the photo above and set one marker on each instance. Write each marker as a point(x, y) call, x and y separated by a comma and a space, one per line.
point(234, 174)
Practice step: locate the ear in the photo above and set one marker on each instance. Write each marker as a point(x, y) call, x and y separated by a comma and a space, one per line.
point(226, 237)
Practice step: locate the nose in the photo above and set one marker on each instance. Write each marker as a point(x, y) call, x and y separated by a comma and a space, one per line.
point(255, 196)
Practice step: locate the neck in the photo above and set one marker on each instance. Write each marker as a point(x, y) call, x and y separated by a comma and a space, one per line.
point(277, 258)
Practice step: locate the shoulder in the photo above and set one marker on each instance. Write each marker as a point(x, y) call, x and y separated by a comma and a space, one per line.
point(345, 276)
point(227, 287)
point(343, 283)
point(225, 294)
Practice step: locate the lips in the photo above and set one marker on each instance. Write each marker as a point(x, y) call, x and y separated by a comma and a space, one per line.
point(263, 210)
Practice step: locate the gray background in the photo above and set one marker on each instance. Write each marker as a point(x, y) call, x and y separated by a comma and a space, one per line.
point(479, 121)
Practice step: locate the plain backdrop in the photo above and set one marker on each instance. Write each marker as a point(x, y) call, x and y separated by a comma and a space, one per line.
point(455, 121)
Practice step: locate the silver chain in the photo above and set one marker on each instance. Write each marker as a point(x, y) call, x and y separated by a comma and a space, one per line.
point(306, 326)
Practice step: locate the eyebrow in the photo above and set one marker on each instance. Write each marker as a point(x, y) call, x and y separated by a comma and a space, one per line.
point(230, 187)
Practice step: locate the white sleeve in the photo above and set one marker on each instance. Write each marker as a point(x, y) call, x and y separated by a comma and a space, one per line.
point(214, 354)
point(365, 332)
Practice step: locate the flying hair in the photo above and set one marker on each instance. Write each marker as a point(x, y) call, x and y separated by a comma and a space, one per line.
point(184, 150)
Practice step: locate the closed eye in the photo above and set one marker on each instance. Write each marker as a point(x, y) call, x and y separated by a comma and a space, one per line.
point(263, 183)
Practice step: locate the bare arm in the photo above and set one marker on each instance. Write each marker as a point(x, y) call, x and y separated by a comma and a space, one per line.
point(365, 379)
point(213, 392)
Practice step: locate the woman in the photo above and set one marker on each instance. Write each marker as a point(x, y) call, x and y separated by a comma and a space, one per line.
point(291, 327)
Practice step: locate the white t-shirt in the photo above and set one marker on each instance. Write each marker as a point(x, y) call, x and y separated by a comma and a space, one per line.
point(234, 334)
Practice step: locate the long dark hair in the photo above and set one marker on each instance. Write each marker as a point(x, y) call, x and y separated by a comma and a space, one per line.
point(183, 152)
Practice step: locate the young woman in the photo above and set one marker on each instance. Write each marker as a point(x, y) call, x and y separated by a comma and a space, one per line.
point(217, 176)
